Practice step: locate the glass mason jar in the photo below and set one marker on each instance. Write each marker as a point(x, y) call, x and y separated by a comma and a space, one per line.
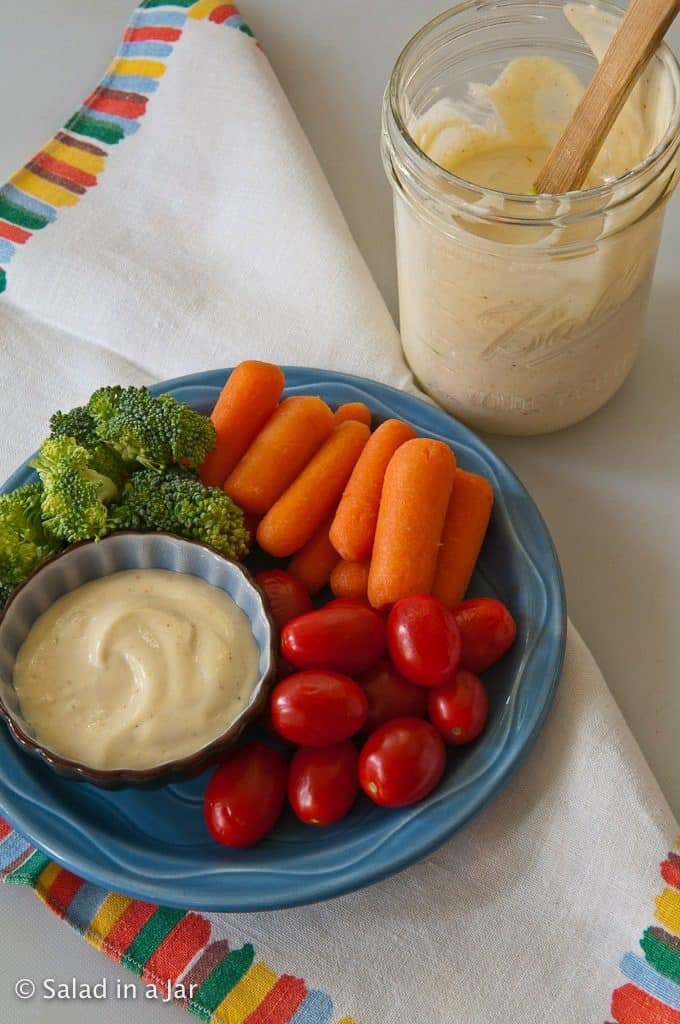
point(520, 314)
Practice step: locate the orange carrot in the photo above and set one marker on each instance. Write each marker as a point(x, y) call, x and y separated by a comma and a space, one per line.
point(279, 453)
point(350, 579)
point(413, 506)
point(353, 528)
point(245, 404)
point(462, 537)
point(353, 411)
point(314, 562)
point(302, 509)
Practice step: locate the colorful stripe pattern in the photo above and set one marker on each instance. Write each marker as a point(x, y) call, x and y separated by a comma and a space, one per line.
point(219, 13)
point(651, 994)
point(69, 165)
point(177, 952)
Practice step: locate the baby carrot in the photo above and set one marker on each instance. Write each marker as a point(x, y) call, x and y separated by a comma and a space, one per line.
point(353, 528)
point(413, 506)
point(279, 453)
point(353, 411)
point(462, 537)
point(302, 509)
point(245, 404)
point(314, 562)
point(350, 579)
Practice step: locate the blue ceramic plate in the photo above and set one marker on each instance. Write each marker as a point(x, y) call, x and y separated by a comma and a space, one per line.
point(154, 846)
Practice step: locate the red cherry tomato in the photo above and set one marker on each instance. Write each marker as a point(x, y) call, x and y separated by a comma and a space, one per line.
point(389, 695)
point(424, 640)
point(287, 597)
point(316, 708)
point(245, 796)
point(357, 602)
point(459, 709)
point(323, 783)
point(487, 630)
point(343, 638)
point(265, 719)
point(401, 762)
point(350, 602)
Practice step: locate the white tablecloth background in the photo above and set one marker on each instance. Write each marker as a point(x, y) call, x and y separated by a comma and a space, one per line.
point(213, 236)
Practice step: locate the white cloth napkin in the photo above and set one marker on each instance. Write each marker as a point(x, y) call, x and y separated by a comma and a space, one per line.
point(213, 236)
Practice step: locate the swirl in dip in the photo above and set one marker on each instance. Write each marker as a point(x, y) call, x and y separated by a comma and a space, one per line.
point(503, 134)
point(136, 669)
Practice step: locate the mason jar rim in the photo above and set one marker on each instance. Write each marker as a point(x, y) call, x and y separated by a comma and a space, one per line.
point(527, 209)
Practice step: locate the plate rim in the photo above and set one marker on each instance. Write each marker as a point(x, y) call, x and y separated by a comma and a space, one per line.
point(505, 768)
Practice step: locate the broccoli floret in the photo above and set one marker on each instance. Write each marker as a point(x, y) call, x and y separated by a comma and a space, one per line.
point(24, 542)
point(76, 496)
point(79, 424)
point(5, 590)
point(191, 435)
point(177, 503)
point(153, 431)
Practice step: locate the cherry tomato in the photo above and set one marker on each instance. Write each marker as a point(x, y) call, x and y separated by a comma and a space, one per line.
point(323, 783)
point(350, 602)
point(343, 638)
point(265, 719)
point(316, 708)
point(487, 630)
point(389, 695)
point(245, 796)
point(424, 640)
point(357, 602)
point(459, 709)
point(287, 597)
point(401, 762)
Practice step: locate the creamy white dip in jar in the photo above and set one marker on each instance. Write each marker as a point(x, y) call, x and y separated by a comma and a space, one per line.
point(522, 314)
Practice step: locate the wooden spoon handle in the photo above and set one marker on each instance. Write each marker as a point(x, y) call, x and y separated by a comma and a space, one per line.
point(638, 36)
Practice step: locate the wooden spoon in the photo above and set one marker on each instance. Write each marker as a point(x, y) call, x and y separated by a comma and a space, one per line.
point(637, 38)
